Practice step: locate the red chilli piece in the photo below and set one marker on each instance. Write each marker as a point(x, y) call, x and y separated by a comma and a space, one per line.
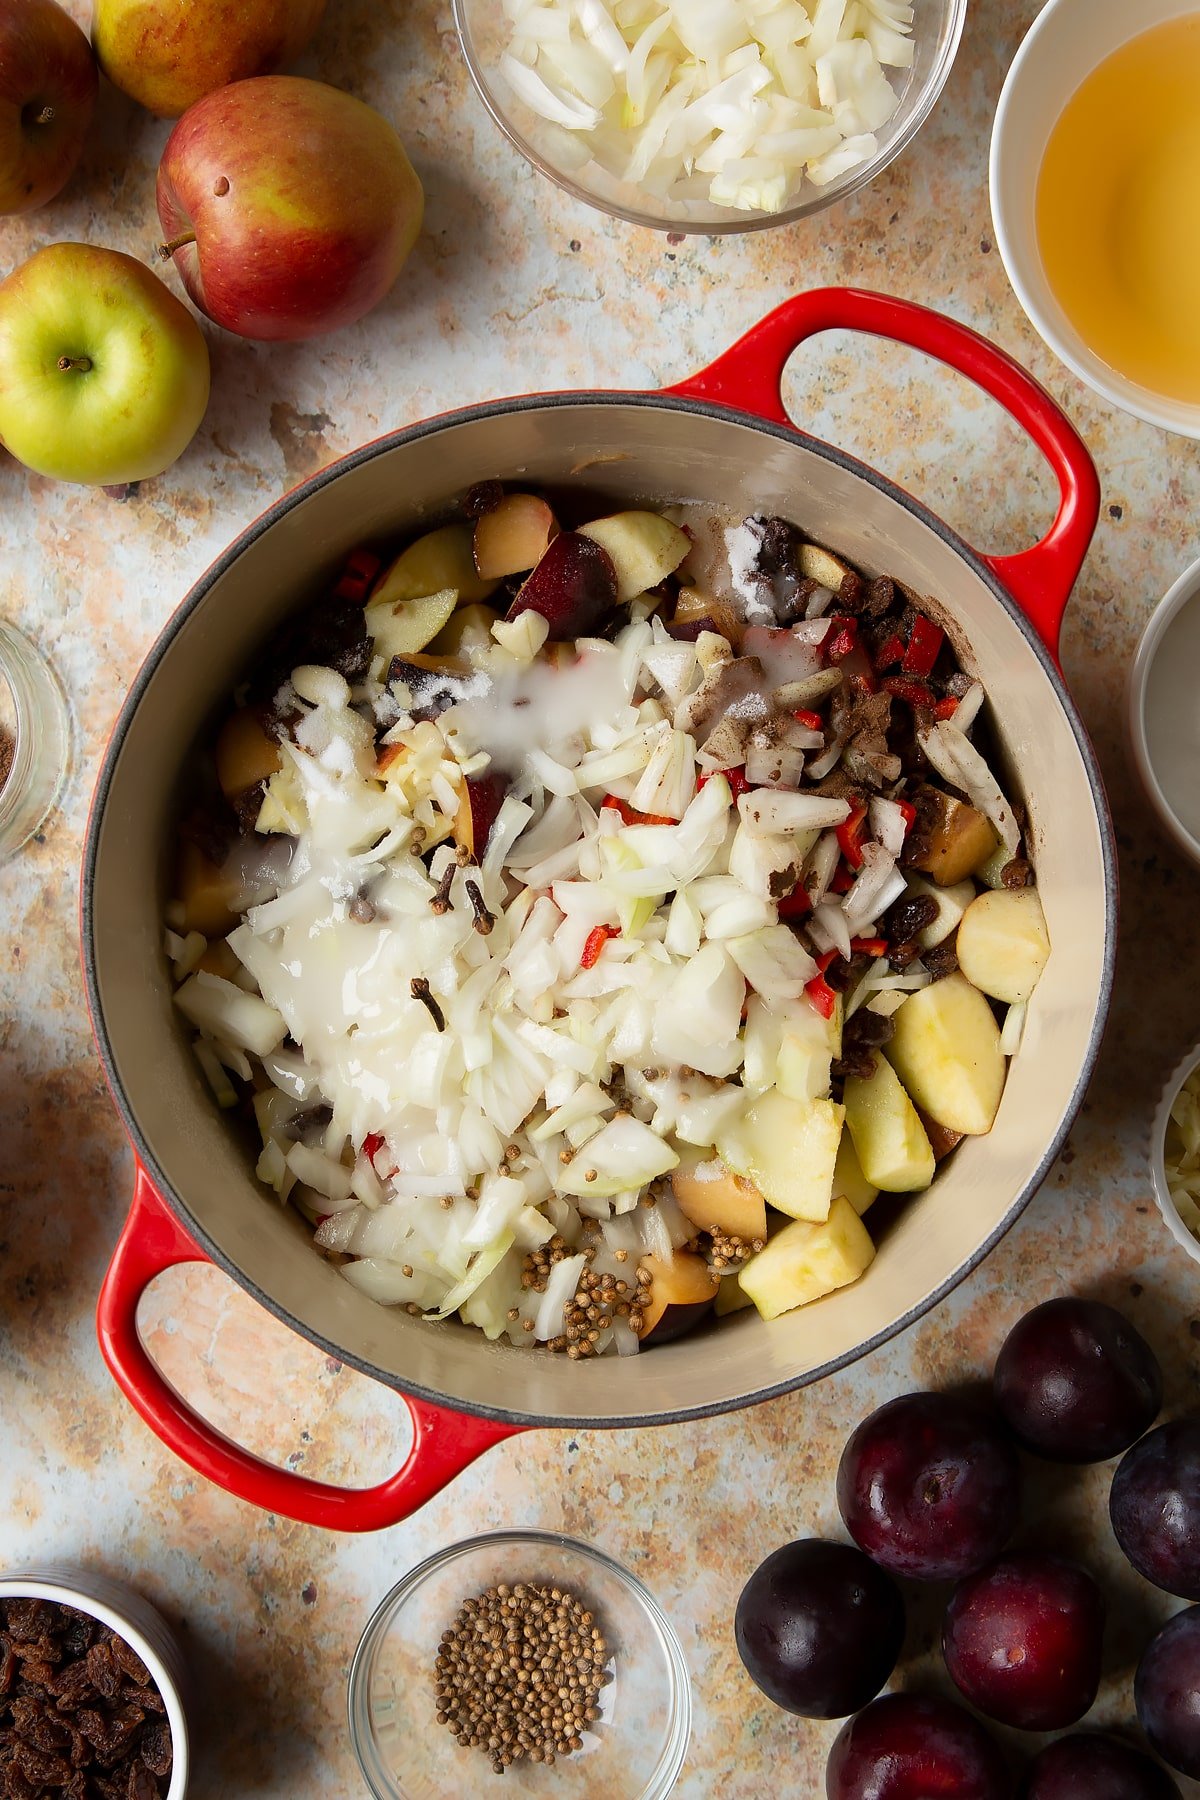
point(594, 944)
point(735, 777)
point(909, 811)
point(821, 996)
point(372, 1144)
point(631, 816)
point(946, 709)
point(891, 652)
point(796, 905)
point(843, 880)
point(842, 638)
point(913, 693)
point(850, 831)
point(360, 570)
point(924, 642)
point(869, 946)
point(813, 720)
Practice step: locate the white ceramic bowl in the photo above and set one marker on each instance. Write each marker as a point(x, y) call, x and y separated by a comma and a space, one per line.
point(1067, 41)
point(1163, 713)
point(1158, 1167)
point(143, 1628)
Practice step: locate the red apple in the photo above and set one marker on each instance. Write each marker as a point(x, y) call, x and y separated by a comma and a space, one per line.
point(167, 55)
point(288, 206)
point(48, 85)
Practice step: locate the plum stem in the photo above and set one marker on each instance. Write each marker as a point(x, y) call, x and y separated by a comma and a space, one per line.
point(167, 251)
point(45, 116)
point(80, 363)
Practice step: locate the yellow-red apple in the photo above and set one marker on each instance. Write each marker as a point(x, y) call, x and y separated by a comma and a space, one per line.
point(167, 54)
point(288, 206)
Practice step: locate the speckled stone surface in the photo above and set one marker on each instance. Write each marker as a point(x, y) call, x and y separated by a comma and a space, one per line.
point(513, 287)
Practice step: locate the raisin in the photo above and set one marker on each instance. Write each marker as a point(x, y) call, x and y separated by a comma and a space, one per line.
point(142, 1785)
point(1016, 874)
point(909, 917)
point(869, 1029)
point(44, 1768)
point(942, 961)
point(155, 1748)
point(26, 1620)
point(104, 1670)
point(484, 497)
point(855, 1059)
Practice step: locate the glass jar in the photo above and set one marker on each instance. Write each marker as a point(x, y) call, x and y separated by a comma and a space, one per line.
point(35, 738)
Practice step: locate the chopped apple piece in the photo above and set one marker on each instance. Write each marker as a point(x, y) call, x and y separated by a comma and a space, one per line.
point(513, 537)
point(946, 1051)
point(439, 560)
point(1003, 943)
point(693, 605)
point(807, 1260)
point(645, 548)
point(788, 1148)
point(823, 567)
point(808, 1044)
point(467, 633)
point(207, 893)
point(715, 1199)
point(889, 1140)
point(403, 627)
point(961, 839)
point(849, 1180)
point(682, 1292)
point(731, 1297)
point(245, 755)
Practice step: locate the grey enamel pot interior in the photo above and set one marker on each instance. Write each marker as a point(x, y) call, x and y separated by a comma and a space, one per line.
point(632, 448)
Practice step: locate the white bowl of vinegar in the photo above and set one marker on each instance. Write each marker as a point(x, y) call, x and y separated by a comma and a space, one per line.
point(1095, 190)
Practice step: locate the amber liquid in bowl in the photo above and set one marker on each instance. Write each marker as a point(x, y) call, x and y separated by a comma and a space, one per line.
point(1118, 210)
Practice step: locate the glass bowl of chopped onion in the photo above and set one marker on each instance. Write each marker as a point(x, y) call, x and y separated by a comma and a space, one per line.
point(1175, 1153)
point(710, 116)
point(430, 1661)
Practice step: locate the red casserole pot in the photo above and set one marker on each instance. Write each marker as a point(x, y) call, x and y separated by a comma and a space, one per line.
point(722, 437)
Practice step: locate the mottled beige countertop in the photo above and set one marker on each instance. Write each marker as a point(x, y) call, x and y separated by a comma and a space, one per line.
point(514, 287)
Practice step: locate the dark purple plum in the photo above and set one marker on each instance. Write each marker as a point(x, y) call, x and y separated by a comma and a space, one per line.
point(1076, 1383)
point(1166, 1692)
point(930, 1486)
point(1154, 1505)
point(819, 1628)
point(574, 587)
point(908, 1747)
point(1092, 1766)
point(1023, 1639)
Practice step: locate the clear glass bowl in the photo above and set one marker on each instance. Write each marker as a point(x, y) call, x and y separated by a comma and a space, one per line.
point(484, 32)
point(638, 1746)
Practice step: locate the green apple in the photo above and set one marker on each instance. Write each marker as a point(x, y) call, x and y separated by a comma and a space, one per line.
point(167, 54)
point(103, 372)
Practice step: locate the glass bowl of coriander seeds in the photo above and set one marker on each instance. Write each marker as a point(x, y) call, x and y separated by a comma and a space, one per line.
point(521, 1654)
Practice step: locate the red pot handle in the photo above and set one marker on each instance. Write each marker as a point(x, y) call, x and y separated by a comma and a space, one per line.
point(749, 375)
point(444, 1442)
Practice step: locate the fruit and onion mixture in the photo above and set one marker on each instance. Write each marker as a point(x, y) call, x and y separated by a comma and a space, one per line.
point(596, 913)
